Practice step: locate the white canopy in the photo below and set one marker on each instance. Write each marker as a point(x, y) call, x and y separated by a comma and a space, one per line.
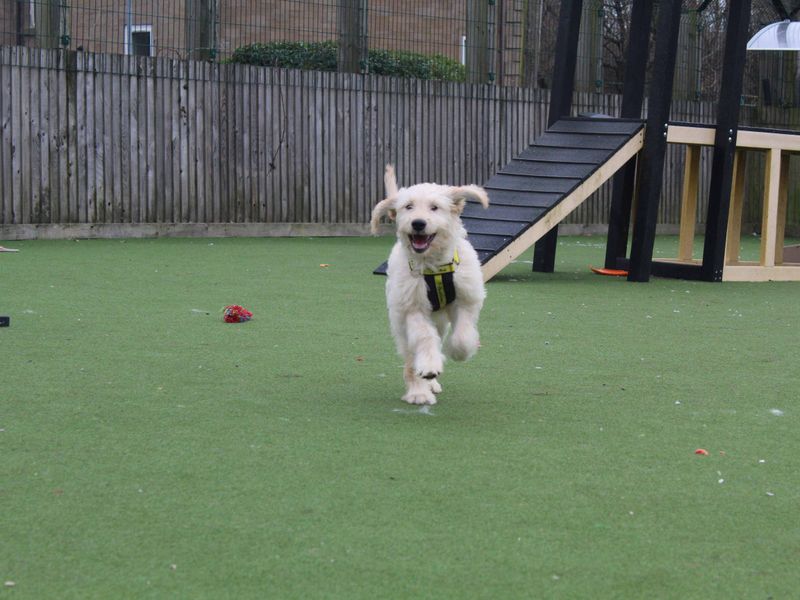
point(778, 36)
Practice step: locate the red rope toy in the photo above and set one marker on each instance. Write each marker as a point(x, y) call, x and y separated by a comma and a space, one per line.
point(237, 314)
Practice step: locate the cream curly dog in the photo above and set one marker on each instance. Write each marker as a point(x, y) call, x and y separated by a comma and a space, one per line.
point(434, 280)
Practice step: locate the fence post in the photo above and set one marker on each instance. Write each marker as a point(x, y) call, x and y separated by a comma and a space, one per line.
point(589, 75)
point(352, 36)
point(50, 14)
point(531, 42)
point(200, 29)
point(477, 44)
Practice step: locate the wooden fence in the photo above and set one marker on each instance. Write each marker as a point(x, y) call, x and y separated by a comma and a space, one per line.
point(99, 143)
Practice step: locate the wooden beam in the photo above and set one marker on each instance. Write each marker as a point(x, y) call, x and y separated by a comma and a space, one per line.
point(691, 178)
point(769, 221)
point(768, 139)
point(734, 236)
point(683, 134)
point(783, 201)
point(761, 273)
point(756, 140)
point(495, 264)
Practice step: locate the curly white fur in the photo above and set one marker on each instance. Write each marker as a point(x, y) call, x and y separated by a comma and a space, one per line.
point(429, 232)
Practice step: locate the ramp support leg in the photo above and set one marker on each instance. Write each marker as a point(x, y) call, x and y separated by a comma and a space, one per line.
point(544, 252)
point(620, 215)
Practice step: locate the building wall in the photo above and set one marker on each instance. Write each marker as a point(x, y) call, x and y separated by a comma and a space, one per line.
point(8, 23)
point(413, 25)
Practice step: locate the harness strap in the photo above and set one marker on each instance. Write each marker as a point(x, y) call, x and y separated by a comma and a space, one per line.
point(439, 281)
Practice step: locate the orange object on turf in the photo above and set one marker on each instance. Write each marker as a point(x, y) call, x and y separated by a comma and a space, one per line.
point(609, 272)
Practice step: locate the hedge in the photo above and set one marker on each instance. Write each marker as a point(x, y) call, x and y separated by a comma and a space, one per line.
point(322, 56)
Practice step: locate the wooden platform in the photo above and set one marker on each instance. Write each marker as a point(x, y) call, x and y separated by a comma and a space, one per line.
point(773, 265)
point(545, 183)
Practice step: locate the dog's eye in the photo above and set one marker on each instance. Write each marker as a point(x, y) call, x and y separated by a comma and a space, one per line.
point(409, 206)
point(434, 207)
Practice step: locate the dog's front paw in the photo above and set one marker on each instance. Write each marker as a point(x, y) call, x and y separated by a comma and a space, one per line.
point(430, 367)
point(419, 396)
point(436, 387)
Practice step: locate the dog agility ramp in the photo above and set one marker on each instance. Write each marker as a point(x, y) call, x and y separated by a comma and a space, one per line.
point(547, 181)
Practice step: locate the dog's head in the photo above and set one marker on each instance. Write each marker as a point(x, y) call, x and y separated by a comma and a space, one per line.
point(427, 214)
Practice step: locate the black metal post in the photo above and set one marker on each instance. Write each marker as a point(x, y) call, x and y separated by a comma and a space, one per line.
point(655, 143)
point(725, 139)
point(632, 99)
point(566, 51)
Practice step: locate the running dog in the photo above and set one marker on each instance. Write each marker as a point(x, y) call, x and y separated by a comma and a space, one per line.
point(434, 290)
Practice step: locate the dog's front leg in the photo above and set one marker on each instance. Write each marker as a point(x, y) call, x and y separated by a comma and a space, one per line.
point(424, 345)
point(418, 390)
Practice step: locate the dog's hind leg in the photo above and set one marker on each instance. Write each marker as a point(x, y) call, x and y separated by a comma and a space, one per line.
point(463, 341)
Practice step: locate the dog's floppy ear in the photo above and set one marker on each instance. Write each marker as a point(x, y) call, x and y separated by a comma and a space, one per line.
point(460, 195)
point(384, 207)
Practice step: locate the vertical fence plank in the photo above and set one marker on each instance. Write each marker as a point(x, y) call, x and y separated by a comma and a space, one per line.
point(6, 147)
point(124, 126)
point(29, 165)
point(184, 141)
point(175, 144)
point(247, 135)
point(111, 140)
point(62, 137)
point(190, 133)
point(215, 165)
point(145, 146)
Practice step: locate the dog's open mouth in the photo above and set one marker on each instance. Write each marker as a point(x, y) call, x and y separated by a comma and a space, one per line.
point(420, 243)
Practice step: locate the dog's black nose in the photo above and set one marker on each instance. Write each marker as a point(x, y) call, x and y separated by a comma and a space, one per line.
point(418, 224)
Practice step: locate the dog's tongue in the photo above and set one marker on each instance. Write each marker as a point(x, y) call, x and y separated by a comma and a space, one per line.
point(420, 242)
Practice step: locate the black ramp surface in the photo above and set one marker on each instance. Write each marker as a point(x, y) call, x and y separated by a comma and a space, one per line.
point(537, 180)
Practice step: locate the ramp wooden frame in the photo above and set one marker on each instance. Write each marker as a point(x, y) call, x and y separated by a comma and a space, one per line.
point(778, 147)
point(614, 150)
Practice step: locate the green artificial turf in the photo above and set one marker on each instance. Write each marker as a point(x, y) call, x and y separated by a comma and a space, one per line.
point(150, 450)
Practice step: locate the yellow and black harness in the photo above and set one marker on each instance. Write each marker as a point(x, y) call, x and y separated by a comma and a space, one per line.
point(439, 281)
